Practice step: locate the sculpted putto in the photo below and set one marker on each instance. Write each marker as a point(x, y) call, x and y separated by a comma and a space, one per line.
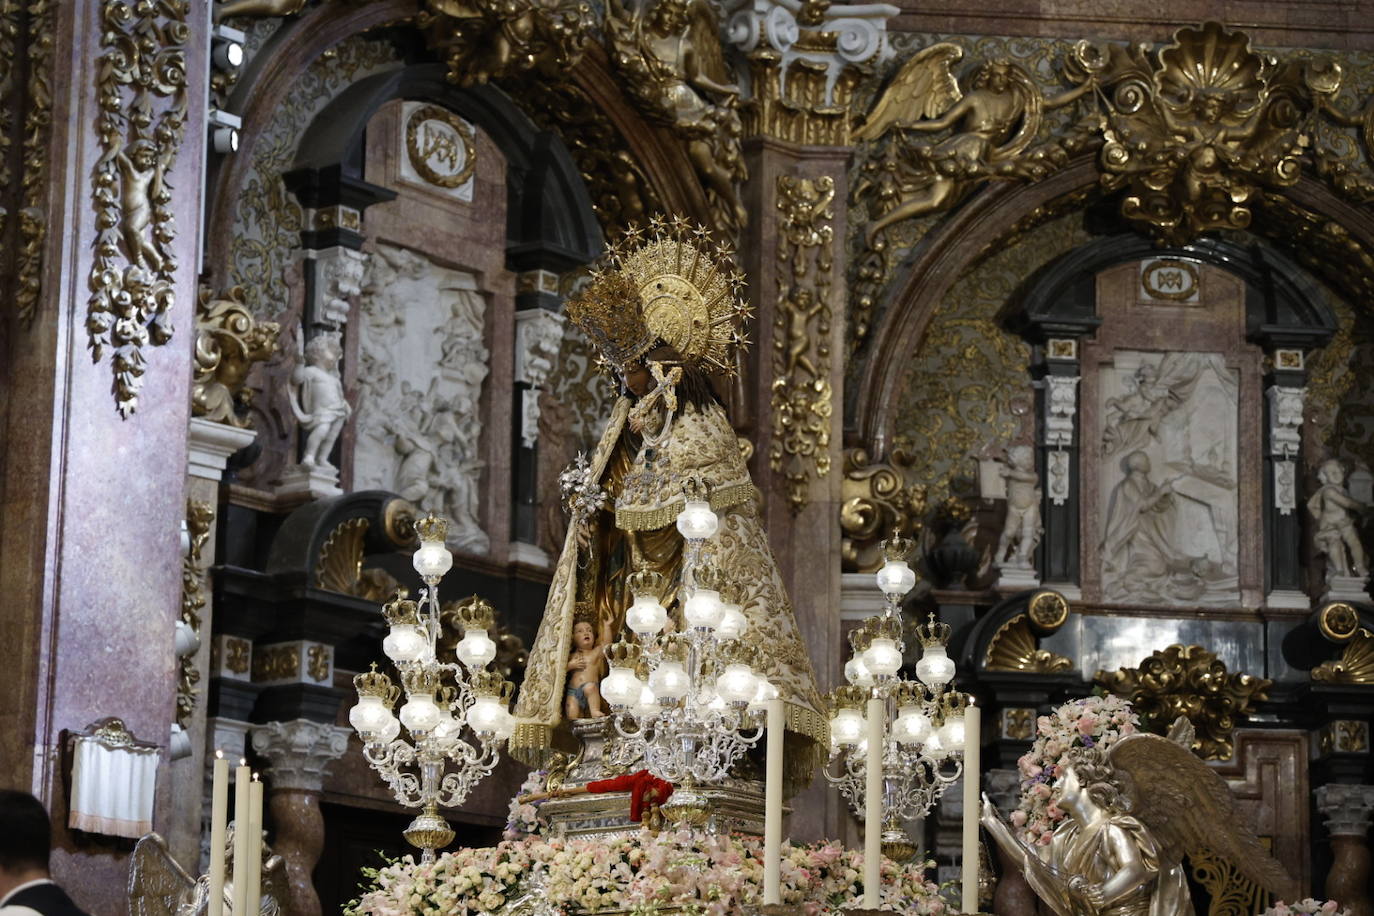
point(1334, 510)
point(317, 399)
point(1021, 532)
point(1134, 812)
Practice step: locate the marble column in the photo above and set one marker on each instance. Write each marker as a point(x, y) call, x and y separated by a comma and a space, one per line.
point(1013, 896)
point(1348, 810)
point(298, 753)
point(95, 449)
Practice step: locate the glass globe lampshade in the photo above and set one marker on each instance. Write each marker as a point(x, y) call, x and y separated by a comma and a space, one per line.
point(432, 560)
point(646, 617)
point(737, 684)
point(856, 672)
point(620, 687)
point(369, 716)
point(896, 578)
point(504, 728)
point(952, 734)
point(669, 682)
point(732, 622)
point(696, 521)
point(882, 657)
point(445, 734)
point(647, 705)
point(485, 715)
point(390, 730)
point(476, 649)
point(404, 643)
point(846, 727)
point(421, 713)
point(763, 693)
point(912, 726)
point(934, 747)
point(703, 610)
point(936, 668)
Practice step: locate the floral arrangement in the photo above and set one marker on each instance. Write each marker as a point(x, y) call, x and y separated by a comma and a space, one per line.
point(581, 493)
point(523, 818)
point(1308, 907)
point(712, 875)
point(1098, 721)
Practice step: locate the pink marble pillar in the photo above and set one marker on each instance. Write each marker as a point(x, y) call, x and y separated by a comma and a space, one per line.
point(1348, 810)
point(90, 503)
point(298, 753)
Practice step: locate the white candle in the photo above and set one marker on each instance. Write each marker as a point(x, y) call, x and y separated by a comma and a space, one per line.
point(219, 817)
point(242, 776)
point(972, 781)
point(873, 805)
point(254, 847)
point(772, 818)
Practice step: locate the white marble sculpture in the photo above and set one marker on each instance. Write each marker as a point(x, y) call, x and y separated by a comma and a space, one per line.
point(317, 399)
point(1335, 511)
point(419, 426)
point(1169, 508)
point(1021, 531)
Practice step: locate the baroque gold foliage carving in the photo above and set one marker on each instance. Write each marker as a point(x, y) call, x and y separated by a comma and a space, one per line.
point(877, 498)
point(339, 568)
point(229, 341)
point(1231, 892)
point(33, 220)
point(791, 104)
point(669, 56)
point(200, 518)
point(1013, 648)
point(802, 397)
point(143, 104)
point(11, 22)
point(1355, 666)
point(1192, 682)
point(277, 663)
point(489, 40)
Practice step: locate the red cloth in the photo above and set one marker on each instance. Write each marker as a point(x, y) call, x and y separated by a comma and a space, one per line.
point(639, 785)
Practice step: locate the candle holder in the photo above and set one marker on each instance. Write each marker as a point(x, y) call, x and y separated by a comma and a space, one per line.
point(456, 713)
point(923, 735)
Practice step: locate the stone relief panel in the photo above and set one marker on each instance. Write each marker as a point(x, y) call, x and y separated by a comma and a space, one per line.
point(1169, 508)
point(422, 363)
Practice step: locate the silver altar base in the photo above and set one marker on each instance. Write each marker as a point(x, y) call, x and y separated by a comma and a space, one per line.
point(735, 806)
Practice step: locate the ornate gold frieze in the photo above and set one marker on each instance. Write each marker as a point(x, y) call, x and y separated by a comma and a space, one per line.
point(143, 104)
point(277, 663)
point(485, 40)
point(339, 568)
point(1192, 682)
point(1356, 664)
point(788, 98)
point(877, 499)
point(802, 398)
point(33, 217)
point(200, 518)
point(317, 663)
point(669, 57)
point(229, 340)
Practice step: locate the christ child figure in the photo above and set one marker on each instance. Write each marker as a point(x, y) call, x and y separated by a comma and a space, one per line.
point(1333, 507)
point(586, 668)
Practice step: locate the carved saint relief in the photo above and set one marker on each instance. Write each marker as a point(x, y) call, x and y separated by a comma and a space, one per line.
point(1169, 511)
point(422, 365)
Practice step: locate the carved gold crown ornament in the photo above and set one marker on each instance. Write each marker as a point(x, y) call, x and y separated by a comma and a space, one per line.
point(664, 285)
point(456, 713)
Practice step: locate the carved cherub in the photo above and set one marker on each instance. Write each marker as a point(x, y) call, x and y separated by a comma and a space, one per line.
point(1333, 507)
point(994, 122)
point(799, 312)
point(1021, 532)
point(140, 173)
point(586, 668)
point(317, 399)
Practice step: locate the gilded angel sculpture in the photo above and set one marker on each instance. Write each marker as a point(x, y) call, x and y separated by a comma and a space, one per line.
point(1134, 811)
point(663, 312)
point(993, 123)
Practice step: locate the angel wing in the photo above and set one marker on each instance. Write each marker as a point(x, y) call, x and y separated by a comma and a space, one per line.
point(924, 88)
point(1183, 733)
point(1187, 806)
point(158, 885)
point(703, 33)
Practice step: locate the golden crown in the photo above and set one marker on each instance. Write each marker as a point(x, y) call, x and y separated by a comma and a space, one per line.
point(432, 528)
point(665, 285)
point(932, 632)
point(375, 684)
point(647, 582)
point(420, 681)
point(623, 654)
point(953, 704)
point(908, 693)
point(897, 547)
point(695, 489)
point(475, 614)
point(850, 696)
point(398, 610)
point(491, 684)
point(884, 627)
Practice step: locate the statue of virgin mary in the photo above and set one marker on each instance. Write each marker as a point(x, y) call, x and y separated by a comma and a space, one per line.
point(664, 314)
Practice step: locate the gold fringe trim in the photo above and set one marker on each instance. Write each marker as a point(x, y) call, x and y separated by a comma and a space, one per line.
point(662, 517)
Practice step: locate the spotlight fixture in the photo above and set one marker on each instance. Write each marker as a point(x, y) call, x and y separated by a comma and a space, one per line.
point(224, 130)
point(226, 49)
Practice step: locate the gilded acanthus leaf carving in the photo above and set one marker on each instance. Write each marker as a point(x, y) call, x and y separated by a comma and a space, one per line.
point(229, 340)
point(801, 401)
point(1192, 682)
point(33, 219)
point(143, 104)
point(200, 518)
point(878, 499)
point(11, 19)
point(488, 40)
point(669, 55)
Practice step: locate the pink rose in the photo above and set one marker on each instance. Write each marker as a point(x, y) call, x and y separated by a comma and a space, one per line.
point(1018, 818)
point(1033, 771)
point(1054, 812)
point(1045, 839)
point(1040, 790)
point(1053, 748)
point(1086, 723)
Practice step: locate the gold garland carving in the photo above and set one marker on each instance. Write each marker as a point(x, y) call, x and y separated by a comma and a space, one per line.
point(33, 219)
point(1013, 648)
point(489, 40)
point(418, 160)
point(1192, 682)
point(1231, 892)
point(10, 24)
point(1355, 666)
point(200, 518)
point(339, 568)
point(229, 341)
point(792, 106)
point(877, 499)
point(802, 398)
point(131, 278)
